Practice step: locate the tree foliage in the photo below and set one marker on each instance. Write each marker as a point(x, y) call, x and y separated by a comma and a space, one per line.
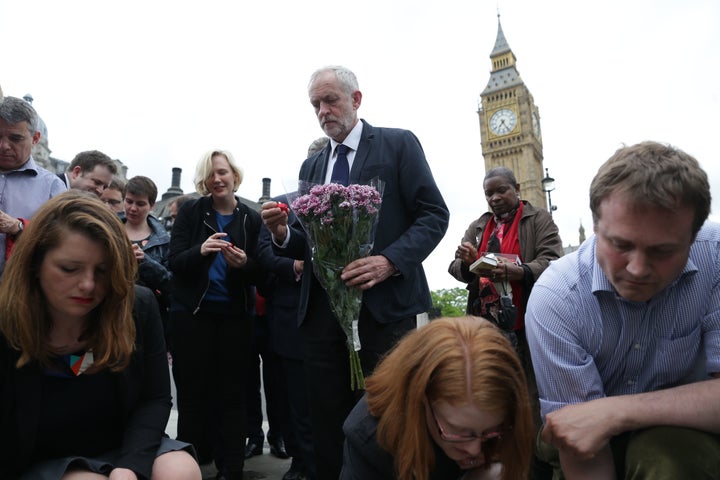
point(449, 302)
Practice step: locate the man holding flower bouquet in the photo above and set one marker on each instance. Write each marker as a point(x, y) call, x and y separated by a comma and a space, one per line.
point(413, 219)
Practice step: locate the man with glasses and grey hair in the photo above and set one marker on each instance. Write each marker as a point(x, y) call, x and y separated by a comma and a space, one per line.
point(24, 184)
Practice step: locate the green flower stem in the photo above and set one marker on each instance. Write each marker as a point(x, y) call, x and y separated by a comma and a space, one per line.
point(357, 379)
point(340, 223)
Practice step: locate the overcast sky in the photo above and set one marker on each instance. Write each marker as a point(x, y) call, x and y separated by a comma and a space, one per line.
point(157, 83)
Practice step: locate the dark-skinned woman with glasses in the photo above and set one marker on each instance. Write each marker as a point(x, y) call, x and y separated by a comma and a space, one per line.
point(449, 401)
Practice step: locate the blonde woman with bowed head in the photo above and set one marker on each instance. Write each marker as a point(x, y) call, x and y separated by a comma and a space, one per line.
point(84, 383)
point(448, 402)
point(212, 258)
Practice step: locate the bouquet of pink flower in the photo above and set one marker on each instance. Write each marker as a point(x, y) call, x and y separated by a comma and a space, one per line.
point(340, 224)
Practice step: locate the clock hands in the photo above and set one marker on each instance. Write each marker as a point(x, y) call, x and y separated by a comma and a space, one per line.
point(503, 127)
point(502, 121)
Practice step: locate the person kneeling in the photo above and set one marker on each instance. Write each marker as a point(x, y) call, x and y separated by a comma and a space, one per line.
point(84, 381)
point(448, 402)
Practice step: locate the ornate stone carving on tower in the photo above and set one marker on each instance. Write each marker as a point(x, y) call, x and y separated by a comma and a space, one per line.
point(41, 150)
point(510, 124)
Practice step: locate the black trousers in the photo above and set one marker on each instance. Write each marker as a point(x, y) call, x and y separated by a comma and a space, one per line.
point(273, 380)
point(210, 356)
point(327, 372)
point(299, 439)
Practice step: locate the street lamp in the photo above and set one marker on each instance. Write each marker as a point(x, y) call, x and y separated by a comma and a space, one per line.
point(548, 185)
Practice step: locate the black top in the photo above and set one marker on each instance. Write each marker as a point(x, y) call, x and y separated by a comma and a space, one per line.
point(363, 458)
point(194, 223)
point(88, 425)
point(133, 409)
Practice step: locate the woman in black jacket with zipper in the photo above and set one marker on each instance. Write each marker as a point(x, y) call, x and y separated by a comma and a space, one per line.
point(212, 257)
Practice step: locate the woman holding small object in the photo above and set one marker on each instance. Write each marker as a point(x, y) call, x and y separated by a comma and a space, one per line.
point(212, 257)
point(150, 241)
point(524, 240)
point(513, 229)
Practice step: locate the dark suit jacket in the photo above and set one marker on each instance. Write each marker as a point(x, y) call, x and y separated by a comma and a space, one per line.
point(144, 389)
point(282, 295)
point(413, 219)
point(64, 178)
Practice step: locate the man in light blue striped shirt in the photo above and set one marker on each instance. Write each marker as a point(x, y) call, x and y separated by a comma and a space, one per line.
point(24, 185)
point(625, 332)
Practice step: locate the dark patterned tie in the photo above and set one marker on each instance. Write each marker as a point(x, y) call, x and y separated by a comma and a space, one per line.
point(341, 169)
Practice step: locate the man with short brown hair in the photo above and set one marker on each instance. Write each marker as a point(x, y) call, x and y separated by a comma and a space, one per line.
point(91, 171)
point(625, 332)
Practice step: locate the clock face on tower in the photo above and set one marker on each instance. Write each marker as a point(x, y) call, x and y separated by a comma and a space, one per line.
point(503, 121)
point(536, 124)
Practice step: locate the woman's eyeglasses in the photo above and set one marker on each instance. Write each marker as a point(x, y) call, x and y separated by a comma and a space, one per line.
point(452, 438)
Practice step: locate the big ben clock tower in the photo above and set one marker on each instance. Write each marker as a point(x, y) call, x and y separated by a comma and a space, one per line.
point(510, 124)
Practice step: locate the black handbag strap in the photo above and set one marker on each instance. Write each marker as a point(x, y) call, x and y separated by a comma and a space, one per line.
point(506, 279)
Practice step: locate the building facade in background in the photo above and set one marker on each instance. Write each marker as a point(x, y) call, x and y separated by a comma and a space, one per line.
point(41, 150)
point(510, 124)
point(510, 128)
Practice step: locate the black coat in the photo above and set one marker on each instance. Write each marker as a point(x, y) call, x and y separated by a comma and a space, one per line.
point(282, 296)
point(194, 223)
point(413, 220)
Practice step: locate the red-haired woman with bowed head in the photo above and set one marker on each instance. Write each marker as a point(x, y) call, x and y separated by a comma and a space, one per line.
point(448, 402)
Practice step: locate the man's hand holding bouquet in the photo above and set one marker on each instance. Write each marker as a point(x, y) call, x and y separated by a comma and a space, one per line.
point(340, 224)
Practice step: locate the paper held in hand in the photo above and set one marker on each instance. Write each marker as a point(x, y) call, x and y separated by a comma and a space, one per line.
point(488, 261)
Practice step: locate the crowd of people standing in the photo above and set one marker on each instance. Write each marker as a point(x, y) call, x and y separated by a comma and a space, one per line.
point(598, 364)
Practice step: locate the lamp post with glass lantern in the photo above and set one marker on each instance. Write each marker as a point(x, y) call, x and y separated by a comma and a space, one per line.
point(548, 185)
